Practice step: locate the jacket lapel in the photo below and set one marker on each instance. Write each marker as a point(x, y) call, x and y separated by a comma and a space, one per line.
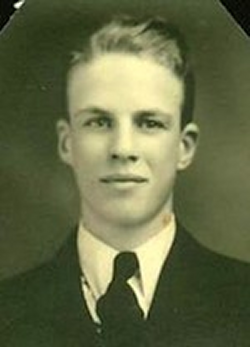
point(175, 310)
point(71, 312)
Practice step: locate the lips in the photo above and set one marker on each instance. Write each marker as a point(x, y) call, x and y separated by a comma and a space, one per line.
point(123, 178)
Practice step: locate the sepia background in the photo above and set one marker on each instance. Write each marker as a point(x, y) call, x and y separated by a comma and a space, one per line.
point(38, 199)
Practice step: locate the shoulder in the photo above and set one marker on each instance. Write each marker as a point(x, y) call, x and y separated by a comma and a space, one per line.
point(220, 262)
point(23, 293)
point(37, 291)
point(201, 256)
point(224, 280)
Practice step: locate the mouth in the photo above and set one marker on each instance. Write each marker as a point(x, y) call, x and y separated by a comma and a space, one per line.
point(123, 178)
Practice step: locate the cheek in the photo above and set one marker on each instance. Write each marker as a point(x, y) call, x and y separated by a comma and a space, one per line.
point(87, 149)
point(163, 154)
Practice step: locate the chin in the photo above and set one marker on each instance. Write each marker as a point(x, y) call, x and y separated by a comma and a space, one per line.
point(130, 219)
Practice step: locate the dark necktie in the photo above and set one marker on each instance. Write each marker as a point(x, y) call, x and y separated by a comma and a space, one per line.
point(121, 318)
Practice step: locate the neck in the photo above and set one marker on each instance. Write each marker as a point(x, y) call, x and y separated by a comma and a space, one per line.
point(126, 236)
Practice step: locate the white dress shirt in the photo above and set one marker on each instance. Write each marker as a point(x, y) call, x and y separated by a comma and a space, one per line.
point(96, 262)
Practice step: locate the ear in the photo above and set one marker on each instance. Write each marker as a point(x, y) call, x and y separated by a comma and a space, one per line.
point(188, 145)
point(64, 141)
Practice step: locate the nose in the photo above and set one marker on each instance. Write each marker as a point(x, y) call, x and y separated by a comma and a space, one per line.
point(123, 144)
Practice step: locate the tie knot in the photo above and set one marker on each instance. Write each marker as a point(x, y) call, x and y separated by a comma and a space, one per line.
point(125, 265)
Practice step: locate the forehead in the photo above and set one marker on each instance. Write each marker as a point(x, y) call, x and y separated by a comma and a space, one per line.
point(124, 79)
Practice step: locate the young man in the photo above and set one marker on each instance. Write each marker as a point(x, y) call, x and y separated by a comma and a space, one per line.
point(130, 275)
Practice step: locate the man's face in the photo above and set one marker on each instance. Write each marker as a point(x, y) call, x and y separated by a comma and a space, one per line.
point(123, 140)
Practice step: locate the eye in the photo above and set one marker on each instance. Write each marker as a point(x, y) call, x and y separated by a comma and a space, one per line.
point(151, 124)
point(101, 122)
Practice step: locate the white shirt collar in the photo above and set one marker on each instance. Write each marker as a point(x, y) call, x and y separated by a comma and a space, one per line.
point(152, 255)
point(96, 262)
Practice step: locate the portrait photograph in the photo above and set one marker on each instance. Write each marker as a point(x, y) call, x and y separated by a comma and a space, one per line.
point(124, 175)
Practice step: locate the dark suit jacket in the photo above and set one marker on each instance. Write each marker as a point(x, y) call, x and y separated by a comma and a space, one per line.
point(202, 299)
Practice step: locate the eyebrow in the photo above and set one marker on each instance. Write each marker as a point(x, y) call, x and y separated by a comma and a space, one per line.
point(94, 111)
point(152, 113)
